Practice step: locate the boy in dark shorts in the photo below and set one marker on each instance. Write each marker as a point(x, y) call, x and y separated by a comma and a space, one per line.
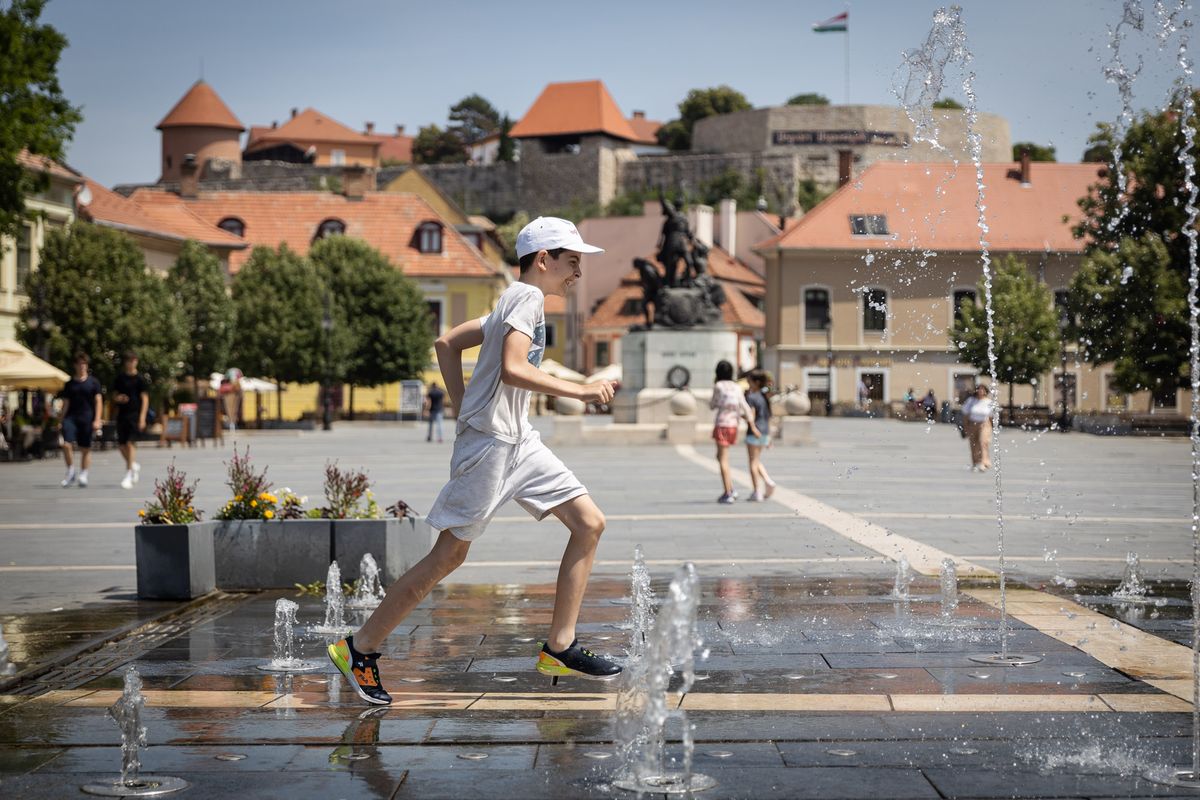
point(80, 419)
point(498, 457)
point(132, 399)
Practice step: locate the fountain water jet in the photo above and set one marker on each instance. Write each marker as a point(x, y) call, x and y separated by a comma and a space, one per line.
point(949, 581)
point(335, 604)
point(284, 657)
point(1132, 588)
point(127, 713)
point(368, 592)
point(642, 707)
point(641, 612)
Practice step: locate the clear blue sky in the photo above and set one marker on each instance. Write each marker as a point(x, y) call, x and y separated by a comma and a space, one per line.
point(129, 61)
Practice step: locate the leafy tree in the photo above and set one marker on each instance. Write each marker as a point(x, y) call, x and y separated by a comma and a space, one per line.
point(1099, 149)
point(1130, 308)
point(93, 288)
point(808, 99)
point(1037, 152)
point(947, 102)
point(386, 317)
point(809, 193)
point(700, 103)
point(508, 148)
point(197, 284)
point(1143, 322)
point(507, 233)
point(1027, 329)
point(473, 118)
point(436, 146)
point(278, 298)
point(34, 114)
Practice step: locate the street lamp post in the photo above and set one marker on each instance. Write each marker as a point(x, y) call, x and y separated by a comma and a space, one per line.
point(327, 330)
point(829, 362)
point(1064, 320)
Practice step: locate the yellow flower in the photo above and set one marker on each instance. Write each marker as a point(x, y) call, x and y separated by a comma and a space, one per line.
point(191, 508)
point(268, 514)
point(141, 512)
point(254, 504)
point(263, 495)
point(237, 497)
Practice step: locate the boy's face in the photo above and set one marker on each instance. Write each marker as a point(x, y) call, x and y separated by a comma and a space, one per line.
point(561, 272)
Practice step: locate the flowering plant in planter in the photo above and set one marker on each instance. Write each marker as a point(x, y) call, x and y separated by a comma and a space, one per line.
point(252, 498)
point(173, 501)
point(348, 496)
point(291, 505)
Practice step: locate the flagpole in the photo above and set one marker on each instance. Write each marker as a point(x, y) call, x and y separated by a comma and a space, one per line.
point(847, 53)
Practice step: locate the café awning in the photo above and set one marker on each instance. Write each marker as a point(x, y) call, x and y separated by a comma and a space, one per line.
point(21, 369)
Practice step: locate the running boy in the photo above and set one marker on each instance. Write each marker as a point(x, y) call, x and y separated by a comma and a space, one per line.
point(498, 457)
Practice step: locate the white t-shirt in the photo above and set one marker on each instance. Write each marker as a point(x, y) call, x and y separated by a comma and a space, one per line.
point(489, 405)
point(977, 410)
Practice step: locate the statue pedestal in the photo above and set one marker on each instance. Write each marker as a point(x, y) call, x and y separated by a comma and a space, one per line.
point(647, 357)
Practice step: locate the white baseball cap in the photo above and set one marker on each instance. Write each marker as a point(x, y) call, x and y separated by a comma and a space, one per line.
point(551, 233)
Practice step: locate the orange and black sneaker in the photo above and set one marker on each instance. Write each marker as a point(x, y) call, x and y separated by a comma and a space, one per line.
point(576, 661)
point(360, 669)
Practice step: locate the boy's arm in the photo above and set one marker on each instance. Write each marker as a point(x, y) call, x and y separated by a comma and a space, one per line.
point(517, 371)
point(145, 399)
point(449, 349)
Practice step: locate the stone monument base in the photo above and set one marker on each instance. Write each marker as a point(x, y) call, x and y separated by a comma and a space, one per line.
point(647, 357)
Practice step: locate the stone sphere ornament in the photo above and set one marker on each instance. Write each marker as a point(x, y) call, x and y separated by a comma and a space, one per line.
point(797, 404)
point(683, 404)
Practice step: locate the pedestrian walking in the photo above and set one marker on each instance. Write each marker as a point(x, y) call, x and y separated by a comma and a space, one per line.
point(977, 425)
point(435, 400)
point(929, 405)
point(131, 396)
point(758, 400)
point(499, 457)
point(81, 411)
point(731, 408)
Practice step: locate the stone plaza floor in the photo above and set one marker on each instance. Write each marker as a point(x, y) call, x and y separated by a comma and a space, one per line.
point(815, 685)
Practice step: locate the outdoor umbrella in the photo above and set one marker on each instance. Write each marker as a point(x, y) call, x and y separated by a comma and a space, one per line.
point(21, 369)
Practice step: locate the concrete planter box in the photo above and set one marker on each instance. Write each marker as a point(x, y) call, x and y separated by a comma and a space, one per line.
point(396, 544)
point(253, 554)
point(174, 562)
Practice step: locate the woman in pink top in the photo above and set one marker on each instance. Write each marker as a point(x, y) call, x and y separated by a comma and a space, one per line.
point(731, 408)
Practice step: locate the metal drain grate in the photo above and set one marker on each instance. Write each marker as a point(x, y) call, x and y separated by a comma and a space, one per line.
point(133, 645)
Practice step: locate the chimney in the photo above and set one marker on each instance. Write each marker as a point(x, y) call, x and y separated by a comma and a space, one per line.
point(727, 225)
point(370, 128)
point(700, 220)
point(274, 124)
point(189, 177)
point(1025, 167)
point(399, 130)
point(295, 111)
point(639, 115)
point(354, 181)
point(845, 163)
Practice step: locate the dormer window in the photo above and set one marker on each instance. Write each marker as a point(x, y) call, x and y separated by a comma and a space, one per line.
point(429, 237)
point(868, 225)
point(233, 225)
point(330, 227)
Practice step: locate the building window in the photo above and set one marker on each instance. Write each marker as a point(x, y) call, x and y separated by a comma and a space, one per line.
point(1072, 396)
point(816, 309)
point(633, 308)
point(330, 227)
point(868, 224)
point(551, 334)
point(475, 238)
point(875, 310)
point(24, 255)
point(1114, 399)
point(435, 316)
point(602, 355)
point(1166, 398)
point(961, 296)
point(816, 385)
point(233, 225)
point(429, 237)
point(873, 381)
point(337, 157)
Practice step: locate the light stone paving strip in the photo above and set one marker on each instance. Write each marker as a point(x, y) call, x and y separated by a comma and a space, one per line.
point(923, 558)
point(694, 701)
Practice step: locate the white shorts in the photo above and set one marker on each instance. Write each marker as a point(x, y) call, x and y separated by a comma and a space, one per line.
point(485, 473)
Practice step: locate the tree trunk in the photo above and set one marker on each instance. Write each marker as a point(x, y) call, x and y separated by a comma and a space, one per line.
point(1011, 409)
point(279, 400)
point(350, 414)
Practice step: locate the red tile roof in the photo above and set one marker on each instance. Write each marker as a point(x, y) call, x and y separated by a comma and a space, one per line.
point(736, 278)
point(174, 223)
point(931, 205)
point(395, 148)
point(386, 220)
point(201, 107)
point(645, 129)
point(308, 126)
point(42, 164)
point(574, 108)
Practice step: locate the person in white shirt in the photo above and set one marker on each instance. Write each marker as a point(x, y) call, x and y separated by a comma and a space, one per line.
point(977, 425)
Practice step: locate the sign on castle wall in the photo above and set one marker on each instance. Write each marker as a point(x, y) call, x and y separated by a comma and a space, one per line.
point(885, 138)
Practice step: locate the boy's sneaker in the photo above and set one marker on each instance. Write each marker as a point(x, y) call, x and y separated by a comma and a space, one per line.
point(127, 481)
point(360, 669)
point(70, 479)
point(577, 661)
point(727, 499)
point(83, 479)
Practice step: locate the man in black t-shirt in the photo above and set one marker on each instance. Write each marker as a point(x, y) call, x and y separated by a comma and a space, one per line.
point(435, 404)
point(80, 419)
point(132, 399)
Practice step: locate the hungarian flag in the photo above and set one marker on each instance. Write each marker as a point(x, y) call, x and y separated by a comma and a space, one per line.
point(838, 24)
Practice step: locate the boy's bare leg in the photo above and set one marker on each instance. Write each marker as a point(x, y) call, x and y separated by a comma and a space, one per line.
point(68, 453)
point(410, 589)
point(586, 522)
